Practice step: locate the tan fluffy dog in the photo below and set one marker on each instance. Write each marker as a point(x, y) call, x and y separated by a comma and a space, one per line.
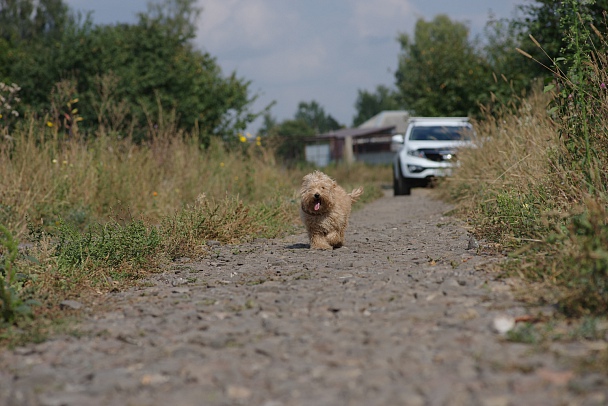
point(325, 210)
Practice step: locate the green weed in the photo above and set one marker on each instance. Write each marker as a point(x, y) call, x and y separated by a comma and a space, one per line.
point(12, 306)
point(537, 184)
point(111, 246)
point(525, 333)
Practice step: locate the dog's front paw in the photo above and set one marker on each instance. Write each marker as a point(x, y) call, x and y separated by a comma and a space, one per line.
point(320, 244)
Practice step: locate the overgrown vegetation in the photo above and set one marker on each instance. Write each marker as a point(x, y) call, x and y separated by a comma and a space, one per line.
point(537, 183)
point(107, 174)
point(139, 69)
point(99, 214)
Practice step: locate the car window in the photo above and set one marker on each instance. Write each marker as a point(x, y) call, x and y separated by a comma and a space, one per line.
point(436, 133)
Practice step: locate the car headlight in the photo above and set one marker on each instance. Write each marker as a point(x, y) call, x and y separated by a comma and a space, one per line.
point(415, 168)
point(416, 153)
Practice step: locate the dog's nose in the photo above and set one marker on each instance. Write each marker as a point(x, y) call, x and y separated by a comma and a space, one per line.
point(317, 195)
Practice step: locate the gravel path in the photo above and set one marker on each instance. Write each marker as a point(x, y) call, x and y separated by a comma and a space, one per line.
point(401, 315)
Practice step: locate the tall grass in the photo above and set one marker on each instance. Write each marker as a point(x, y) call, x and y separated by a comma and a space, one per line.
point(537, 183)
point(45, 180)
point(521, 188)
point(98, 213)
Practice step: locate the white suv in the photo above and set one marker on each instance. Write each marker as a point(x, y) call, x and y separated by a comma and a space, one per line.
point(428, 150)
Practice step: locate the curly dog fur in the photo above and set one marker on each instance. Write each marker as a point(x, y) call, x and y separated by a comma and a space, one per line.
point(325, 210)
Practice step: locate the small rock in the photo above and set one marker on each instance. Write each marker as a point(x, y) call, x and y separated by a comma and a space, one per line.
point(153, 379)
point(70, 304)
point(213, 243)
point(473, 244)
point(496, 401)
point(238, 392)
point(503, 324)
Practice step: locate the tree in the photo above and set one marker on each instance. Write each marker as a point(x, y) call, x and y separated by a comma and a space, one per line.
point(512, 73)
point(369, 104)
point(23, 20)
point(440, 72)
point(288, 139)
point(155, 63)
point(313, 115)
point(542, 19)
point(269, 123)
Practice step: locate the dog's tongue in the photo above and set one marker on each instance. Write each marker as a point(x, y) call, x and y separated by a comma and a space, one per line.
point(317, 206)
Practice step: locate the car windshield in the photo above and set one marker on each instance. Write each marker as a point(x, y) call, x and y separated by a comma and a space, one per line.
point(437, 133)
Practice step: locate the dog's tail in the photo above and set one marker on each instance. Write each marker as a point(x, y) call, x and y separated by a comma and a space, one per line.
point(356, 194)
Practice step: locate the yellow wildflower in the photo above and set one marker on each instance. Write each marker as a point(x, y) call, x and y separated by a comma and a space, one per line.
point(154, 194)
point(49, 124)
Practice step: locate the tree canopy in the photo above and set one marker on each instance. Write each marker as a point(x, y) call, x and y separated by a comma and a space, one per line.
point(542, 19)
point(315, 117)
point(154, 63)
point(440, 72)
point(369, 104)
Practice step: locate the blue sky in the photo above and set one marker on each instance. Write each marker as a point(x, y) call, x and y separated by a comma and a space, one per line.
point(303, 50)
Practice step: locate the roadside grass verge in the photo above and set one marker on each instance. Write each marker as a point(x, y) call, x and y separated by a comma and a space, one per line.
point(97, 215)
point(521, 189)
point(537, 186)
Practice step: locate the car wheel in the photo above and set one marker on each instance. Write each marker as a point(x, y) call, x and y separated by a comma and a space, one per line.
point(401, 186)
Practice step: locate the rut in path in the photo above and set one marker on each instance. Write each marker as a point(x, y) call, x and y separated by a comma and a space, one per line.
point(401, 315)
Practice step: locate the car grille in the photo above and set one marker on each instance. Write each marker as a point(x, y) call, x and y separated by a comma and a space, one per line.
point(439, 155)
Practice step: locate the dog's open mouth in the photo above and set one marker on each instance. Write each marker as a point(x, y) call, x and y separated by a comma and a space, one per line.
point(314, 207)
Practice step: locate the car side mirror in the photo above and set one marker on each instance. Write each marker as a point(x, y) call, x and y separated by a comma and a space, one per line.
point(397, 139)
point(397, 142)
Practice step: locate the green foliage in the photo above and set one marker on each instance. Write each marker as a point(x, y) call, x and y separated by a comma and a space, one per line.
point(440, 73)
point(581, 100)
point(525, 333)
point(9, 99)
point(315, 117)
point(288, 137)
point(512, 74)
point(11, 305)
point(369, 104)
point(539, 182)
point(581, 248)
point(24, 20)
point(544, 20)
point(288, 140)
point(107, 246)
point(227, 221)
point(155, 65)
point(510, 213)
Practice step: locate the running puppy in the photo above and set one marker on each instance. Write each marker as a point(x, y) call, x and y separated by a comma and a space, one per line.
point(325, 210)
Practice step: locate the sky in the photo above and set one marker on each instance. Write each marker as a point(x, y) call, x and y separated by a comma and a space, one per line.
point(303, 50)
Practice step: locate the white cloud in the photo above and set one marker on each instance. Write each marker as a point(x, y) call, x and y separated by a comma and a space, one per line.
point(319, 50)
point(380, 17)
point(263, 36)
point(237, 24)
point(293, 65)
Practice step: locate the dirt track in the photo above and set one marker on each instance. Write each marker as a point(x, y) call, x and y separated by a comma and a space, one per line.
point(401, 315)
